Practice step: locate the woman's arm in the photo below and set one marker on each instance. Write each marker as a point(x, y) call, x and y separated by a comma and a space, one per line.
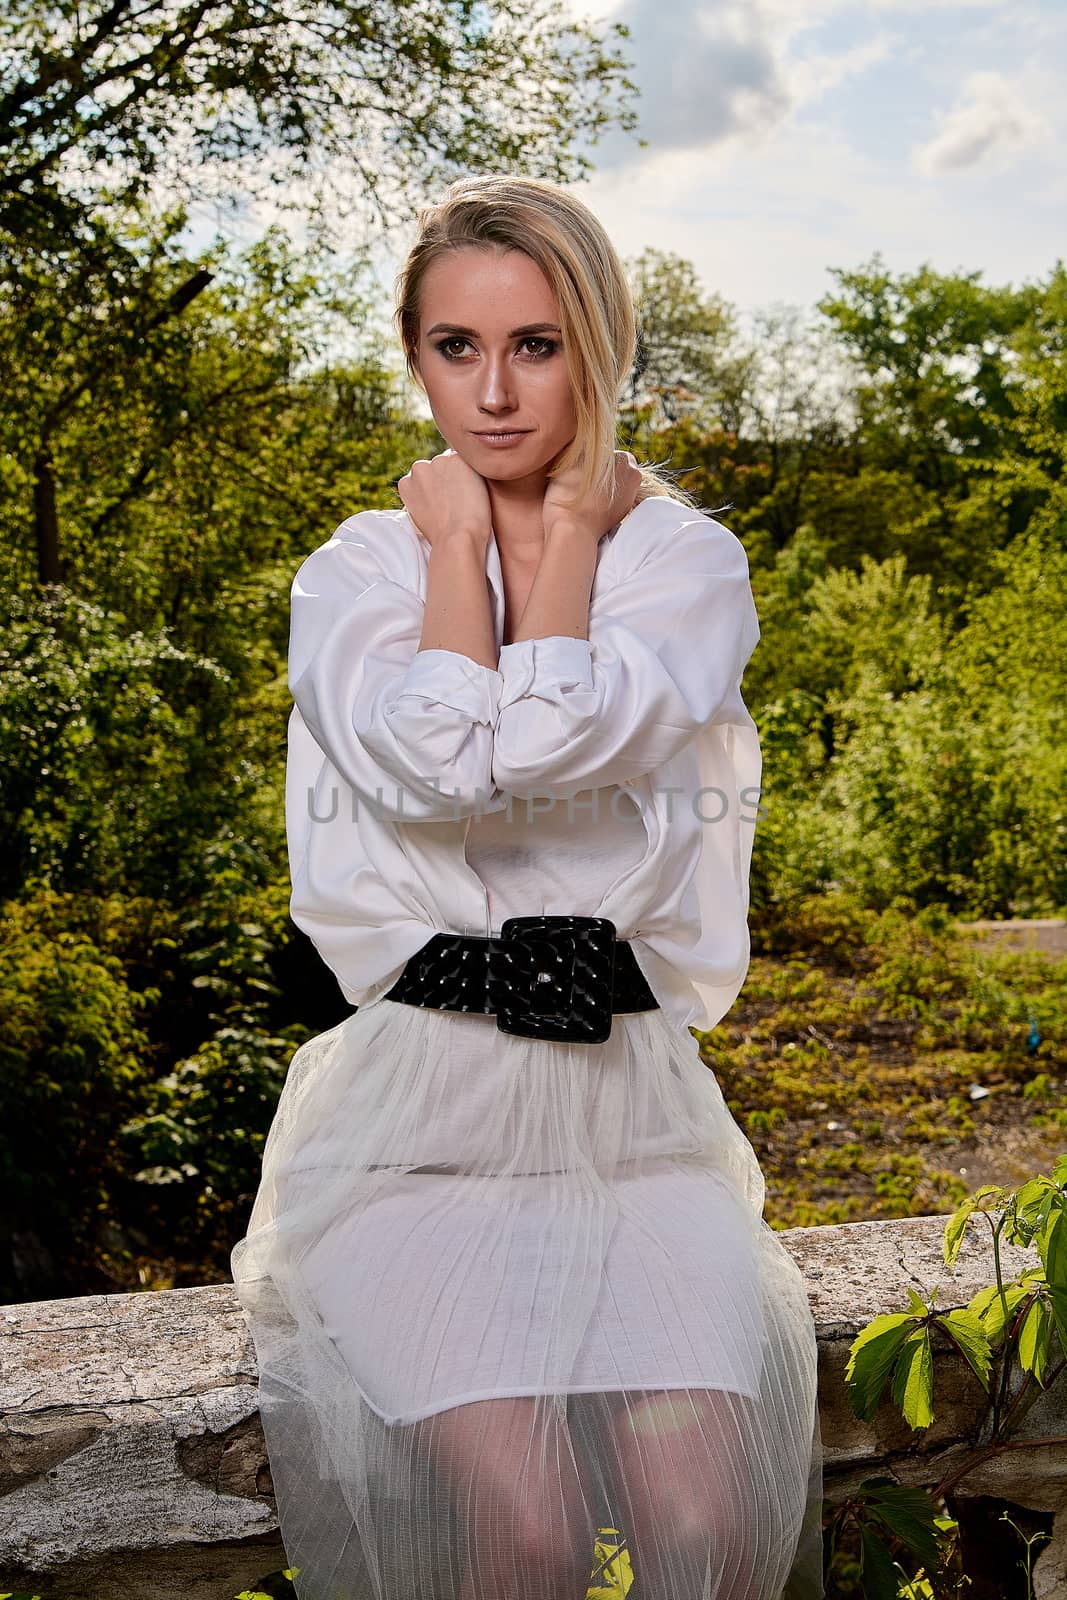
point(558, 602)
point(407, 724)
point(666, 650)
point(458, 613)
point(448, 503)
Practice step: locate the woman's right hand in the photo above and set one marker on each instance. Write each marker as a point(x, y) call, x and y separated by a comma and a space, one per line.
point(444, 495)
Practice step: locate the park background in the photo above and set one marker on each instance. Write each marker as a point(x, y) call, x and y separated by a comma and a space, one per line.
point(842, 233)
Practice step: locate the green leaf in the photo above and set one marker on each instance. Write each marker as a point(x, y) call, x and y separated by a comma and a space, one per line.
point(919, 1305)
point(910, 1514)
point(881, 1579)
point(1033, 1203)
point(871, 1359)
point(1031, 1194)
point(1034, 1336)
point(1053, 1251)
point(955, 1228)
point(913, 1380)
point(989, 1308)
point(1054, 1255)
point(956, 1225)
point(965, 1330)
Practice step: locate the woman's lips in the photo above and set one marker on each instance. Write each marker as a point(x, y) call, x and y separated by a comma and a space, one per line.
point(510, 437)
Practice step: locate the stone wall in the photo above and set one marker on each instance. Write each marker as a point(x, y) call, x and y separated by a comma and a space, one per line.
point(132, 1462)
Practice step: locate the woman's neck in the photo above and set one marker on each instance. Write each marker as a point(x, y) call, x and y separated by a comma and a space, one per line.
point(518, 525)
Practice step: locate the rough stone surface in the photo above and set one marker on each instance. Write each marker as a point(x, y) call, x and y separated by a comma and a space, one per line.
point(132, 1461)
point(1045, 934)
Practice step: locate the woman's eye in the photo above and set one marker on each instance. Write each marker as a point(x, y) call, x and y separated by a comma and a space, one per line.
point(548, 346)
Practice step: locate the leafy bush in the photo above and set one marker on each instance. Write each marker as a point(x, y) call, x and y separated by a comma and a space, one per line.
point(74, 1055)
point(1013, 1337)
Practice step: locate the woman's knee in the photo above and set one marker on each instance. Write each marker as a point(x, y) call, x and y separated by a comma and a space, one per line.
point(514, 1476)
point(553, 1549)
point(525, 1543)
point(685, 1473)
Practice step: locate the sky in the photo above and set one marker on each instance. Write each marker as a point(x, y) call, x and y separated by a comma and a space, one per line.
point(790, 137)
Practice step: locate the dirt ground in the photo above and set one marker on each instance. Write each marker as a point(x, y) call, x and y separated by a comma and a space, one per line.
point(860, 1105)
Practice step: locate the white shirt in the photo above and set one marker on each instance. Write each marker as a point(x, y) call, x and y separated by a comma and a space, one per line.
point(393, 751)
point(553, 857)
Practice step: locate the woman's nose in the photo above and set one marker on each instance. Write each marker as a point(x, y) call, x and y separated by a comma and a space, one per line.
point(496, 382)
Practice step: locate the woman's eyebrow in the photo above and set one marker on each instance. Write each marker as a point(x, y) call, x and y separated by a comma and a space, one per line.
point(531, 327)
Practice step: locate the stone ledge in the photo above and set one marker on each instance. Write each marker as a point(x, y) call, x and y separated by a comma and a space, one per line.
point(132, 1462)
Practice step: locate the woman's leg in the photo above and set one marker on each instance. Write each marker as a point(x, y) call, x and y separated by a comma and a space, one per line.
point(679, 1468)
point(513, 1478)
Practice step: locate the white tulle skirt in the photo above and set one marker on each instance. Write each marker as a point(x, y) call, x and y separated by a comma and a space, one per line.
point(521, 1328)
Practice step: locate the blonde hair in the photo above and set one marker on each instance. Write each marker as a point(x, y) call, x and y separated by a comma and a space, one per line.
point(596, 310)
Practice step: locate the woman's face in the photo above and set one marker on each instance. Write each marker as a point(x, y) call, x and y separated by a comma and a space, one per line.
point(490, 357)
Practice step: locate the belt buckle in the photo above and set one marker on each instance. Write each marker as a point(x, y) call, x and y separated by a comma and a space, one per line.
point(554, 977)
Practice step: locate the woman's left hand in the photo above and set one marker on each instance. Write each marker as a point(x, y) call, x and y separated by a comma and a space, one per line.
point(594, 514)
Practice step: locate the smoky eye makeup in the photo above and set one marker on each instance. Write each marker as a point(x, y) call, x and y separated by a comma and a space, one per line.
point(548, 347)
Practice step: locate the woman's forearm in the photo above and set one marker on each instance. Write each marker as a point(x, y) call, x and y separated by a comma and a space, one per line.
point(558, 602)
point(458, 614)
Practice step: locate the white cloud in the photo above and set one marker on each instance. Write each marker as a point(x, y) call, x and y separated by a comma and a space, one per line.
point(761, 224)
point(764, 201)
point(813, 76)
point(990, 118)
point(725, 71)
point(704, 74)
point(941, 5)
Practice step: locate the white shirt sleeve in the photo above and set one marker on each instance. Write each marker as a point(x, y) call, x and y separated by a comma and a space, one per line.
point(665, 655)
point(410, 730)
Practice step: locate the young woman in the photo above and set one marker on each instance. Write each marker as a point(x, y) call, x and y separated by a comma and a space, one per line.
point(507, 1271)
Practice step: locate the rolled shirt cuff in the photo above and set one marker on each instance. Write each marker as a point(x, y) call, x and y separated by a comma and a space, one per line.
point(453, 679)
point(555, 661)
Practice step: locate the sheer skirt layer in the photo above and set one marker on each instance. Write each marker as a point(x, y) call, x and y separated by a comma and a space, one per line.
point(515, 1306)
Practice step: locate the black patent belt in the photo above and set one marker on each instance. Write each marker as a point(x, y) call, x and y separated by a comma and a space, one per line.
point(543, 977)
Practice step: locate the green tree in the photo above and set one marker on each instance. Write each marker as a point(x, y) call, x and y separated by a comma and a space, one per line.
point(935, 360)
point(361, 103)
point(138, 444)
point(688, 361)
point(1027, 480)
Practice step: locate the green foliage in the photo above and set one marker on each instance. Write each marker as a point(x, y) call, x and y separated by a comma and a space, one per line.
point(262, 105)
point(73, 1050)
point(897, 1348)
point(1023, 1322)
point(142, 1065)
point(883, 1516)
point(194, 1147)
point(114, 745)
point(1035, 1214)
point(935, 357)
point(273, 1586)
point(875, 1355)
point(182, 447)
point(1015, 1319)
point(853, 1047)
point(907, 758)
point(1029, 1540)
